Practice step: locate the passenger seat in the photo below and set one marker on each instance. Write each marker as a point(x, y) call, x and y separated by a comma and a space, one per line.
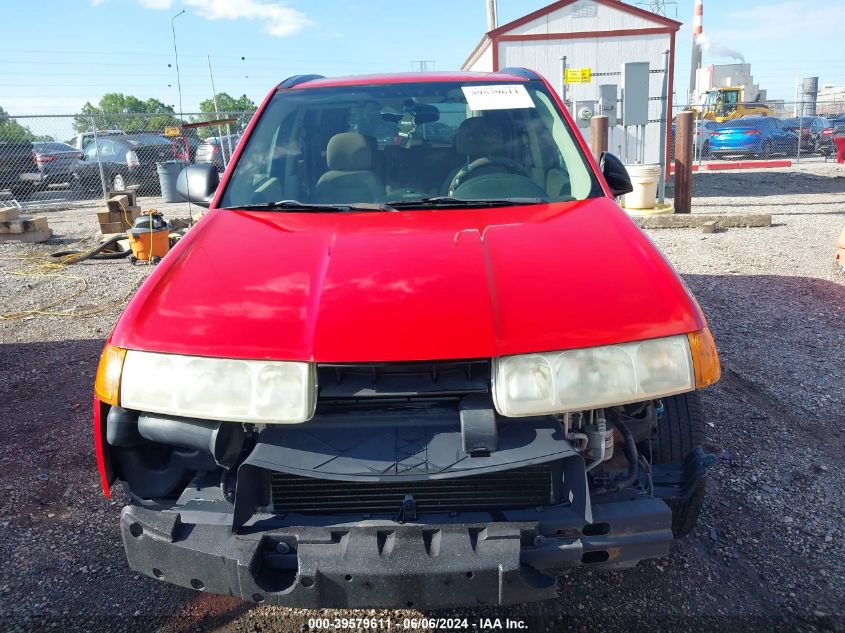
point(349, 179)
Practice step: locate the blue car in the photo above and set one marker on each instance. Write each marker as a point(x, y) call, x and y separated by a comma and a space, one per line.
point(761, 136)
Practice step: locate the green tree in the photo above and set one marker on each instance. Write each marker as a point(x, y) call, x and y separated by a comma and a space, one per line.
point(240, 109)
point(127, 113)
point(13, 132)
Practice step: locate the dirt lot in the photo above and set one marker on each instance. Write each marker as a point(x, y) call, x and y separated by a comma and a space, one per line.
point(767, 553)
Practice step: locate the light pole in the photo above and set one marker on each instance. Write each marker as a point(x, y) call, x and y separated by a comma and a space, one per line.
point(176, 53)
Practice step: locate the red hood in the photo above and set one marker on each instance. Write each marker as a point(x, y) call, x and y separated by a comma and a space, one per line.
point(417, 285)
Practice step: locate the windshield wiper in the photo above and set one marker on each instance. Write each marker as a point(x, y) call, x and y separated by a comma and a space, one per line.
point(307, 207)
point(446, 201)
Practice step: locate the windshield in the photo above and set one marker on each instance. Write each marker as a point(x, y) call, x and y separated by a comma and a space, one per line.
point(410, 142)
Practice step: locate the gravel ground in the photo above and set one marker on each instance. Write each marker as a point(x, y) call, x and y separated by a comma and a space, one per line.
point(767, 553)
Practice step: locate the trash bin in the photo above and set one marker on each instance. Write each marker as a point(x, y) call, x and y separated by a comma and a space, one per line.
point(644, 179)
point(168, 172)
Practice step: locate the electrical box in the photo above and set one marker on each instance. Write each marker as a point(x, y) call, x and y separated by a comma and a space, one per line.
point(607, 102)
point(583, 111)
point(635, 80)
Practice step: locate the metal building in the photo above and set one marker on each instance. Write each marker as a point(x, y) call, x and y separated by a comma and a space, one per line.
point(598, 36)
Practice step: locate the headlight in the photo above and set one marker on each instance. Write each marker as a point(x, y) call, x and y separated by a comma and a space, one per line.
point(594, 377)
point(233, 390)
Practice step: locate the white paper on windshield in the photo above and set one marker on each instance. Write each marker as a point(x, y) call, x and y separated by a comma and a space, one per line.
point(497, 97)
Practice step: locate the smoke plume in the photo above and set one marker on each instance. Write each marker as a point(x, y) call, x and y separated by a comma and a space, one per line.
point(717, 49)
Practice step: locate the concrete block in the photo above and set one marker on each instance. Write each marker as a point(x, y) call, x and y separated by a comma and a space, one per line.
point(696, 220)
point(9, 214)
point(41, 235)
point(38, 223)
point(23, 224)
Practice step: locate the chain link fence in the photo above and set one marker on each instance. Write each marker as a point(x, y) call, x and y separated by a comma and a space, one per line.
point(763, 131)
point(54, 158)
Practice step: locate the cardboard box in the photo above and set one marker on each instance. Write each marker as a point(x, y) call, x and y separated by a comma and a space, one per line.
point(112, 227)
point(131, 194)
point(118, 204)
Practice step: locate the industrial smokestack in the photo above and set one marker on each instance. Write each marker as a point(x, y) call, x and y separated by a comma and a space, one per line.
point(697, 30)
point(491, 15)
point(809, 95)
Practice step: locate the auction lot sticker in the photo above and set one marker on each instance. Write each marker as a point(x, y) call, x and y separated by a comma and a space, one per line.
point(501, 97)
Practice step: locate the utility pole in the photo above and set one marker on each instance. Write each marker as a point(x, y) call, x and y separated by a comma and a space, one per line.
point(217, 115)
point(422, 65)
point(659, 6)
point(176, 53)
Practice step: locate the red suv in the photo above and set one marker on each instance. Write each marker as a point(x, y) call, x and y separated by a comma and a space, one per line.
point(414, 355)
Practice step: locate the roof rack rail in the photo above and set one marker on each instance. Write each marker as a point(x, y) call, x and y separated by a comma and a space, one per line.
point(290, 82)
point(525, 73)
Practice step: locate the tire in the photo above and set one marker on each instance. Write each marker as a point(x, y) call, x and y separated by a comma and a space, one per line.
point(679, 430)
point(118, 183)
point(705, 150)
point(767, 150)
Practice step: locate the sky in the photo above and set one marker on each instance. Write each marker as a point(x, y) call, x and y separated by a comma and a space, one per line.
point(68, 52)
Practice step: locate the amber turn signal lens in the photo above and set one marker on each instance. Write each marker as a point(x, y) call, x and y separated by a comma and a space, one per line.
point(107, 383)
point(705, 358)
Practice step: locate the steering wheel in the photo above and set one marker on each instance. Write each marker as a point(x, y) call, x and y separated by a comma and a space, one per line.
point(465, 172)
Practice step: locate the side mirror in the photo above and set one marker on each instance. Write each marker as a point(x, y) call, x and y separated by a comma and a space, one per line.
point(615, 174)
point(197, 184)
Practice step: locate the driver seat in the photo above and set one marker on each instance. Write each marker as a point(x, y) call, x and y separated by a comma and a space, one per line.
point(477, 137)
point(350, 160)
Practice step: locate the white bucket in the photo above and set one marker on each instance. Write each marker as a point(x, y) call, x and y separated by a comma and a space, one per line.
point(644, 178)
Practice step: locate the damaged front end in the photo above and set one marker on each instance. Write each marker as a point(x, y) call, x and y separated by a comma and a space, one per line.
point(405, 488)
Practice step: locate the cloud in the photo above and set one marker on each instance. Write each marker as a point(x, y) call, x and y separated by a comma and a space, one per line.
point(278, 19)
point(157, 4)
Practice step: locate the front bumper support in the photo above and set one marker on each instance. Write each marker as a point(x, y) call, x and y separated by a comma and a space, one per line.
point(386, 564)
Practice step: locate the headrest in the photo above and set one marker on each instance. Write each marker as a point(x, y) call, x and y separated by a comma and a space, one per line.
point(349, 151)
point(549, 155)
point(477, 136)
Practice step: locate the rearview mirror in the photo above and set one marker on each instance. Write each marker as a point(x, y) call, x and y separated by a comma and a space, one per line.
point(197, 184)
point(615, 174)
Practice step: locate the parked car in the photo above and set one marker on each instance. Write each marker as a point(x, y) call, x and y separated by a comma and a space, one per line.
point(335, 391)
point(83, 138)
point(56, 162)
point(127, 160)
point(217, 148)
point(761, 136)
point(701, 143)
point(816, 134)
point(18, 169)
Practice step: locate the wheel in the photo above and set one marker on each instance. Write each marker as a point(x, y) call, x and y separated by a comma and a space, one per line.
point(767, 150)
point(133, 260)
point(155, 259)
point(118, 183)
point(705, 150)
point(679, 430)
